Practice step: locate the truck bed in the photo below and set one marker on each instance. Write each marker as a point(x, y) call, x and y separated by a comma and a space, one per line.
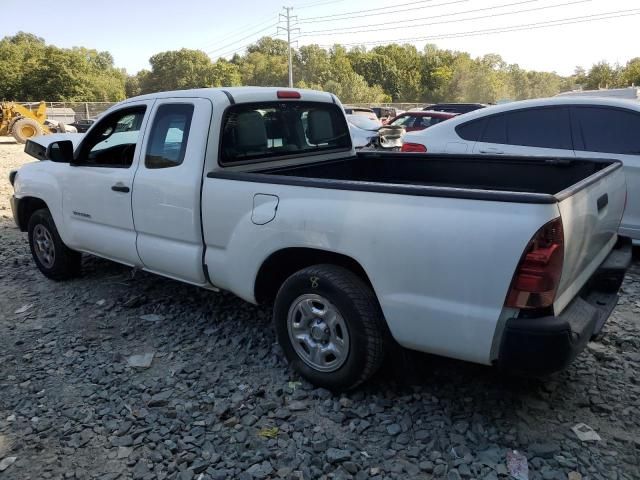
point(552, 177)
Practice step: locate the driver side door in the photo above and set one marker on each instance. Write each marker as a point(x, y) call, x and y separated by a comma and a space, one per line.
point(97, 191)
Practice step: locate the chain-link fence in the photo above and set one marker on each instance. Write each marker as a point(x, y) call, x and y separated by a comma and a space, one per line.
point(69, 112)
point(397, 106)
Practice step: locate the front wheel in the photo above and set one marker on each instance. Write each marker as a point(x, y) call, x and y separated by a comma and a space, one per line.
point(330, 326)
point(53, 258)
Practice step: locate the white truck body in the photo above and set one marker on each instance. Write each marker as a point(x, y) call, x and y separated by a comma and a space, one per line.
point(439, 258)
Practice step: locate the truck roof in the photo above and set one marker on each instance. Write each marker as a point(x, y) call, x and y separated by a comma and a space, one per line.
point(241, 94)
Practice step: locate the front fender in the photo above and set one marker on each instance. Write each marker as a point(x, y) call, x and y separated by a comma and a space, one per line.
point(41, 181)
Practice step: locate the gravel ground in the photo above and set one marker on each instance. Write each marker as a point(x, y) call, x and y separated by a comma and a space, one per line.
point(219, 402)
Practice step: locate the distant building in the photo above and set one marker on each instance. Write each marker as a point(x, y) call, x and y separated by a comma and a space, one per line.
point(629, 93)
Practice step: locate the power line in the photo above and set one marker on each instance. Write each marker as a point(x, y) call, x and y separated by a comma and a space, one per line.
point(335, 31)
point(442, 15)
point(316, 4)
point(507, 29)
point(366, 13)
point(230, 52)
point(238, 33)
point(240, 40)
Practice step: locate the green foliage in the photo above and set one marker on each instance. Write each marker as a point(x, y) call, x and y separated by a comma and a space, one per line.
point(631, 73)
point(183, 69)
point(31, 70)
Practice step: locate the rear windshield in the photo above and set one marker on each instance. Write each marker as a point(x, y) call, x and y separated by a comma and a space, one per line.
point(258, 131)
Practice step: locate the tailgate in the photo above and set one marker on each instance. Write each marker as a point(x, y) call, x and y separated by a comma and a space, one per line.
point(591, 211)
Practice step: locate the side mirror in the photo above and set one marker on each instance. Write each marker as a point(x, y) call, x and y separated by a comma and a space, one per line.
point(60, 151)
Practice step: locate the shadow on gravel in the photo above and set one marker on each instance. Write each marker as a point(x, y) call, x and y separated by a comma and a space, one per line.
point(403, 370)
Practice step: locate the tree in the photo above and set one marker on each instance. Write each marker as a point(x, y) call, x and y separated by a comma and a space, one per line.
point(353, 88)
point(312, 65)
point(178, 70)
point(631, 72)
point(30, 70)
point(602, 75)
point(226, 74)
point(257, 68)
point(273, 47)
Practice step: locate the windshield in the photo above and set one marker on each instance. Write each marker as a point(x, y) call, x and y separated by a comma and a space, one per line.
point(364, 122)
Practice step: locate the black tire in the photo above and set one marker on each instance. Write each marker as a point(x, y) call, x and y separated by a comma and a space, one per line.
point(358, 307)
point(66, 263)
point(26, 128)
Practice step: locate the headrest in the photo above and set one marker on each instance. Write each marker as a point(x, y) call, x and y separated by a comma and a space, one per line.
point(319, 127)
point(251, 131)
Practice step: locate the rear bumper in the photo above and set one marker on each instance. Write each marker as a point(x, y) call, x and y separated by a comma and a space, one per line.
point(547, 344)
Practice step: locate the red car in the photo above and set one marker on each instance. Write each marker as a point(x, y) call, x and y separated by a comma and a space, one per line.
point(419, 120)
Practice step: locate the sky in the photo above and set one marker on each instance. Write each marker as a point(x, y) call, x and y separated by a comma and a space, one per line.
point(549, 35)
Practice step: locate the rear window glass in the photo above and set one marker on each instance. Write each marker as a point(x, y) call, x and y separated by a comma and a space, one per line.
point(257, 131)
point(496, 130)
point(540, 127)
point(470, 131)
point(609, 130)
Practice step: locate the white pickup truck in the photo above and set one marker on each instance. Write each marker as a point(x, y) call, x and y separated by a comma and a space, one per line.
point(258, 191)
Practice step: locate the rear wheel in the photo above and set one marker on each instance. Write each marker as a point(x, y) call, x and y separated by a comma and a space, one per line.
point(53, 258)
point(330, 326)
point(25, 128)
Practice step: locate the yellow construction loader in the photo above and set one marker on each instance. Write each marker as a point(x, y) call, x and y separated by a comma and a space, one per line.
point(21, 122)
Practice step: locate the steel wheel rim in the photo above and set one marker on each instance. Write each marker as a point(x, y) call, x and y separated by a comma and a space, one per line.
point(43, 245)
point(318, 333)
point(28, 131)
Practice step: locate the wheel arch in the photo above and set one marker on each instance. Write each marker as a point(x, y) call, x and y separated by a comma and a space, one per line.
point(26, 207)
point(281, 264)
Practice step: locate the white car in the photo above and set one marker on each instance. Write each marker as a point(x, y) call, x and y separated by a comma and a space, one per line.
point(562, 127)
point(259, 191)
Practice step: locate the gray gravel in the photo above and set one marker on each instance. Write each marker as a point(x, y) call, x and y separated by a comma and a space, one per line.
point(217, 400)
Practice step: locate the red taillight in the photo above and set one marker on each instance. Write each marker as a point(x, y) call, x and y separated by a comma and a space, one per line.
point(536, 280)
point(288, 94)
point(413, 147)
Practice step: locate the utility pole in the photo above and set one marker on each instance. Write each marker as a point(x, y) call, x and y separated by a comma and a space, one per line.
point(289, 18)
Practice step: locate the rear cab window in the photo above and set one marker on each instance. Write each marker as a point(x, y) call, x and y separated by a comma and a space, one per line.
point(257, 132)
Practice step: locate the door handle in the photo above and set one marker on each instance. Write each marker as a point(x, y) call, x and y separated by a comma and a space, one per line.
point(602, 202)
point(119, 187)
point(494, 151)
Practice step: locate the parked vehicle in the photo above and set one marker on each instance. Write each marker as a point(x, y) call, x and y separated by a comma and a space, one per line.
point(363, 130)
point(384, 112)
point(59, 127)
point(557, 127)
point(259, 191)
point(373, 135)
point(456, 107)
point(365, 112)
point(83, 125)
point(413, 121)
